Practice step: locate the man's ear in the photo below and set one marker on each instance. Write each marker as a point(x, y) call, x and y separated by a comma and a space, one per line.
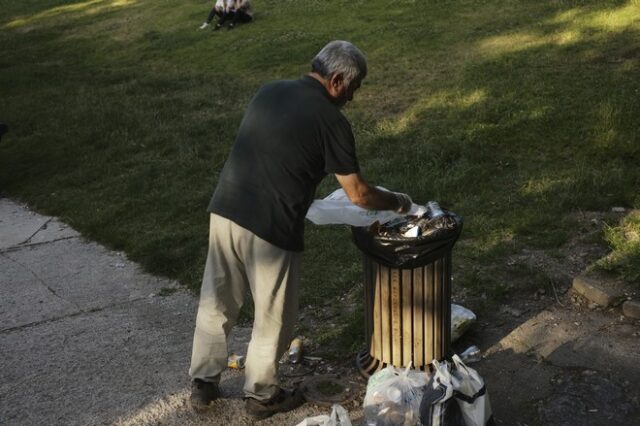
point(336, 80)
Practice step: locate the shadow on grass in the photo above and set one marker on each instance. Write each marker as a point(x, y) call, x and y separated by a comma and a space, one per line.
point(523, 136)
point(510, 115)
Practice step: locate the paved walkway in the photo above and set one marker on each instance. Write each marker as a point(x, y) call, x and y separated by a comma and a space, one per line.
point(88, 338)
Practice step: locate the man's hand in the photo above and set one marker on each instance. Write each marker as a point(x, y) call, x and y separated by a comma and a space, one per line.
point(369, 197)
point(404, 202)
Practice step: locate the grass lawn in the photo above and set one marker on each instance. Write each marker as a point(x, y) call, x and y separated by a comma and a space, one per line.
point(514, 114)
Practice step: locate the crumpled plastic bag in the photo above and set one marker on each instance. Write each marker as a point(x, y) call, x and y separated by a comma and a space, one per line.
point(456, 395)
point(339, 417)
point(336, 208)
point(471, 395)
point(461, 320)
point(438, 406)
point(393, 397)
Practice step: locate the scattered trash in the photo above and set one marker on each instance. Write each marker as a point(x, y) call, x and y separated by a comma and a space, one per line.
point(461, 320)
point(471, 354)
point(295, 350)
point(393, 397)
point(294, 364)
point(455, 396)
point(312, 358)
point(438, 406)
point(339, 417)
point(434, 209)
point(471, 394)
point(235, 361)
point(412, 232)
point(433, 220)
point(409, 241)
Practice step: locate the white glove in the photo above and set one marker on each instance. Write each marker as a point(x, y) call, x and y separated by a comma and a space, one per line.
point(404, 202)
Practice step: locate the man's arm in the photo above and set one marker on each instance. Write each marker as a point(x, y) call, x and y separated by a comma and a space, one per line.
point(369, 197)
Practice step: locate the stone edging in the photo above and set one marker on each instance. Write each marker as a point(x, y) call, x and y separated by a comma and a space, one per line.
point(604, 294)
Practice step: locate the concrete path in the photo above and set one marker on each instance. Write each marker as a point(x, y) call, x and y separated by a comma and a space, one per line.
point(88, 338)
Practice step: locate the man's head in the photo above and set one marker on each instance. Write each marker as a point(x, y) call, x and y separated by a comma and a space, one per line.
point(342, 66)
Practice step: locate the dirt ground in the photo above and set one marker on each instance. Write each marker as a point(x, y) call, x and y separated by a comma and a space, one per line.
point(550, 357)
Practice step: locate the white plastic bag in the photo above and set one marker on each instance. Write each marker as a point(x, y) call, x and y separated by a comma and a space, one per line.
point(339, 417)
point(461, 320)
point(336, 208)
point(438, 406)
point(393, 397)
point(471, 394)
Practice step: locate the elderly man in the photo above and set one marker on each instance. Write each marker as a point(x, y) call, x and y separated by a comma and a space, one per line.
point(292, 135)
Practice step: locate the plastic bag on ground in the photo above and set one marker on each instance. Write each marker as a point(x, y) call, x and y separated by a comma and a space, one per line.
point(393, 397)
point(471, 394)
point(461, 320)
point(339, 417)
point(336, 208)
point(438, 406)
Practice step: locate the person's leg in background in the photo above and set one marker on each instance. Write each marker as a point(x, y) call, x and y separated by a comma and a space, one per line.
point(214, 11)
point(240, 16)
point(224, 285)
point(224, 16)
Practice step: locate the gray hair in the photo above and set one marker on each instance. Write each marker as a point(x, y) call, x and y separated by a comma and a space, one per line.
point(340, 57)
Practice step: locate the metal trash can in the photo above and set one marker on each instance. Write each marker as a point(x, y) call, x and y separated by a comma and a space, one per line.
point(407, 296)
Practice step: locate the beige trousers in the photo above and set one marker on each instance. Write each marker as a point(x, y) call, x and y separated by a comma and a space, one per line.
point(239, 260)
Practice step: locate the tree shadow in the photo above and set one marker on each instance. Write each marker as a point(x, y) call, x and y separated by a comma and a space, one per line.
point(538, 123)
point(561, 367)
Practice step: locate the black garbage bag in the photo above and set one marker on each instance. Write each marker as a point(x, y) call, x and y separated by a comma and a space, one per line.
point(396, 251)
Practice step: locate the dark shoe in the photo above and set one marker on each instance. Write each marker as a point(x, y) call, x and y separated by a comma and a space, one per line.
point(285, 400)
point(203, 394)
point(216, 27)
point(231, 26)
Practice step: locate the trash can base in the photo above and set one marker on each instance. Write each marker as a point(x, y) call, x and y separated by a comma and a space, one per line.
point(368, 365)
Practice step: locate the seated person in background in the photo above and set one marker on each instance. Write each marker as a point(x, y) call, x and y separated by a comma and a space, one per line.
point(243, 12)
point(221, 8)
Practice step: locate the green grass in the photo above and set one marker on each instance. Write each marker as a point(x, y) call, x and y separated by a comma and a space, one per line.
point(511, 113)
point(625, 243)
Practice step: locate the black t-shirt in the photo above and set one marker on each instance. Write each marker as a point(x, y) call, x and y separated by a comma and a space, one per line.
point(291, 137)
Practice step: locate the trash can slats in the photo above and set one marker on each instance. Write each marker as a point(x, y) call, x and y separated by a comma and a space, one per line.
point(396, 317)
point(407, 316)
point(418, 323)
point(408, 313)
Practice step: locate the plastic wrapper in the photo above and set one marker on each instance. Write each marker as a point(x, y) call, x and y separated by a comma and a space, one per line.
point(461, 320)
point(336, 208)
point(339, 417)
point(471, 354)
point(393, 397)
